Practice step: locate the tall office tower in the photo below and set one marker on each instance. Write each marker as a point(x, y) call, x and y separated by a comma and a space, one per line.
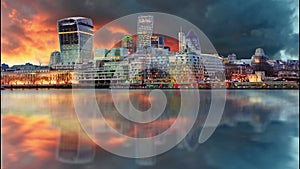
point(144, 31)
point(157, 41)
point(181, 40)
point(128, 43)
point(192, 42)
point(54, 58)
point(76, 39)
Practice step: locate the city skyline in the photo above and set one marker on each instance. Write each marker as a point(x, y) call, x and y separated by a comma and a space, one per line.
point(174, 43)
point(23, 26)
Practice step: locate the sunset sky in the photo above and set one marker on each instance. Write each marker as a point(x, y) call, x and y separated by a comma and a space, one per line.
point(29, 33)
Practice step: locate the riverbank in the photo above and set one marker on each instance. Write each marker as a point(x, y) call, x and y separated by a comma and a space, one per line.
point(235, 85)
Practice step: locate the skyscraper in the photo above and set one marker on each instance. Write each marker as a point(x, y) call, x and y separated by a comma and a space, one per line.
point(144, 31)
point(76, 39)
point(192, 42)
point(181, 40)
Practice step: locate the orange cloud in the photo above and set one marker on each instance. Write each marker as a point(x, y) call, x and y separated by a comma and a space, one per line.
point(29, 31)
point(26, 38)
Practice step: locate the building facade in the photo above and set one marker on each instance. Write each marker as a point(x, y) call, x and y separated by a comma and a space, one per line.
point(55, 58)
point(75, 39)
point(128, 43)
point(144, 32)
point(259, 62)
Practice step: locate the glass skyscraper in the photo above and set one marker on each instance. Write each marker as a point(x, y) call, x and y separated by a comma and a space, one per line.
point(144, 31)
point(76, 39)
point(192, 42)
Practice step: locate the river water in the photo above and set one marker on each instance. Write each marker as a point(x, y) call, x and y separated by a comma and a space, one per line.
point(259, 129)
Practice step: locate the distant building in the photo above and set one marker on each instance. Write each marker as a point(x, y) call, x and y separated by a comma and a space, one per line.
point(100, 53)
point(181, 40)
point(167, 47)
point(259, 62)
point(76, 39)
point(237, 71)
point(232, 57)
point(192, 42)
point(292, 65)
point(289, 70)
point(54, 58)
point(128, 43)
point(27, 66)
point(4, 67)
point(186, 68)
point(157, 41)
point(144, 32)
point(213, 66)
point(259, 76)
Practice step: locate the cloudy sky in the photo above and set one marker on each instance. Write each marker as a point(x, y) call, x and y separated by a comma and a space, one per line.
point(29, 33)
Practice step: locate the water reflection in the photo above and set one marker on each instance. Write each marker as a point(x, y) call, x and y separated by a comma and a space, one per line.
point(259, 129)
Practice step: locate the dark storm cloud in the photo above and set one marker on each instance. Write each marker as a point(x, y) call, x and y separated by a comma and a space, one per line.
point(240, 26)
point(232, 25)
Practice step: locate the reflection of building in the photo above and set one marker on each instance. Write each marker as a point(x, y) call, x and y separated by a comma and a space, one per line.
point(144, 32)
point(74, 147)
point(54, 58)
point(75, 38)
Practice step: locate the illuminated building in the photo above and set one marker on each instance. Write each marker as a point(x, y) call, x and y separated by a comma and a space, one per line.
point(54, 58)
point(157, 41)
point(181, 39)
point(38, 77)
point(76, 39)
point(110, 68)
point(144, 32)
point(259, 62)
point(152, 67)
point(128, 43)
point(186, 68)
point(237, 71)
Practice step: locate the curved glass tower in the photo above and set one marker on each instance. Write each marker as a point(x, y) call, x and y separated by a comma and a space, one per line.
point(75, 39)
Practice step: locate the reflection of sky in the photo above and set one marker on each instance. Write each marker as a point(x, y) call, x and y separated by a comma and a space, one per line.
point(31, 119)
